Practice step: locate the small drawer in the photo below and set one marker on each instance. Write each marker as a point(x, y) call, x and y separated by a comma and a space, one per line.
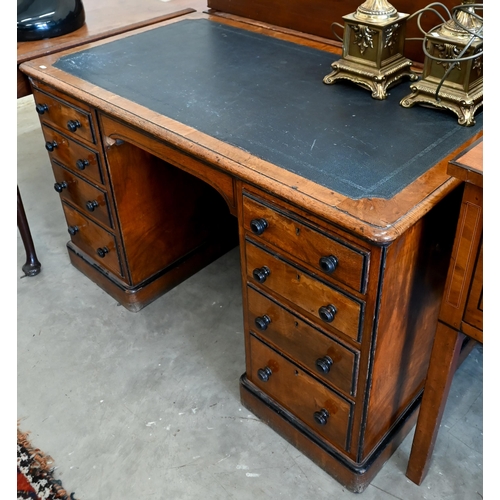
point(62, 115)
point(92, 239)
point(92, 201)
point(330, 308)
point(326, 358)
point(329, 257)
point(72, 155)
point(309, 400)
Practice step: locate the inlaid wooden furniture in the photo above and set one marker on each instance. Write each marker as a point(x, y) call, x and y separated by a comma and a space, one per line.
point(162, 157)
point(461, 313)
point(102, 19)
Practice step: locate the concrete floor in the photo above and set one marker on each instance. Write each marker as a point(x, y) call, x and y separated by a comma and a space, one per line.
point(146, 405)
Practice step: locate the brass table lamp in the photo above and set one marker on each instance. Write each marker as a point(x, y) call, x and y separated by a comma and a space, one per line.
point(452, 78)
point(373, 44)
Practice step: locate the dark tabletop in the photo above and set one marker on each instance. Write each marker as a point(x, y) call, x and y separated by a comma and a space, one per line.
point(266, 96)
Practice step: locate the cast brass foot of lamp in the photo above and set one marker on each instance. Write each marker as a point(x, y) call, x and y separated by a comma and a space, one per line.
point(452, 78)
point(373, 44)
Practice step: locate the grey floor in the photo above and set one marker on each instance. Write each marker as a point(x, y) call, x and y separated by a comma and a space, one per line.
point(146, 405)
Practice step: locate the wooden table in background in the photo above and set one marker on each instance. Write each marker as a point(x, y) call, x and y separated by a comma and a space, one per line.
point(102, 20)
point(461, 313)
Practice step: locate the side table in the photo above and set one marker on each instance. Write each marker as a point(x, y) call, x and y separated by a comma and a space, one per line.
point(461, 312)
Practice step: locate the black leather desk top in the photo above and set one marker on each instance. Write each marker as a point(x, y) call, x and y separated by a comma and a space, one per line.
point(266, 96)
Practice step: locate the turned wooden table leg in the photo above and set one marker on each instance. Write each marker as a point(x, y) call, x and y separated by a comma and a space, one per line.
point(32, 266)
point(442, 366)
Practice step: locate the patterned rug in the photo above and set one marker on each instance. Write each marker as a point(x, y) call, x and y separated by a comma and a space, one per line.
point(34, 474)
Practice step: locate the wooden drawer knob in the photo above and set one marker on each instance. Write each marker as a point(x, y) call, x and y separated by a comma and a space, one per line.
point(261, 273)
point(264, 373)
point(50, 146)
point(327, 313)
point(321, 416)
point(41, 108)
point(59, 186)
point(91, 205)
point(81, 164)
point(324, 364)
point(72, 230)
point(102, 251)
point(328, 264)
point(258, 226)
point(73, 125)
point(261, 322)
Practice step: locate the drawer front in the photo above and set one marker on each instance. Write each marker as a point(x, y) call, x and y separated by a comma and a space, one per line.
point(64, 116)
point(72, 155)
point(329, 257)
point(330, 308)
point(309, 400)
point(86, 197)
point(326, 358)
point(93, 240)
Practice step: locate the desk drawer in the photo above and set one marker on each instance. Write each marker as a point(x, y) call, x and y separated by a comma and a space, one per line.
point(93, 240)
point(86, 197)
point(326, 358)
point(72, 155)
point(309, 400)
point(330, 258)
point(329, 307)
point(64, 116)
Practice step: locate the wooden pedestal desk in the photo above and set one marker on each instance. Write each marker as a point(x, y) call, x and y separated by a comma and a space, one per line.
point(171, 144)
point(461, 313)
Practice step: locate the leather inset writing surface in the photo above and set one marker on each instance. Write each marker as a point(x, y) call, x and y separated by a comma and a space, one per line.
point(266, 96)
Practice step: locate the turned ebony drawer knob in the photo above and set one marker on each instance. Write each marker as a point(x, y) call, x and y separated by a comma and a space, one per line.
point(327, 313)
point(261, 273)
point(81, 164)
point(261, 322)
point(59, 186)
point(73, 125)
point(50, 146)
point(321, 416)
point(324, 364)
point(41, 108)
point(102, 251)
point(91, 205)
point(258, 226)
point(72, 230)
point(264, 373)
point(328, 264)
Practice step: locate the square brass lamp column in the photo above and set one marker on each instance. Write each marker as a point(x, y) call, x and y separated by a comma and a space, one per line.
point(373, 44)
point(453, 68)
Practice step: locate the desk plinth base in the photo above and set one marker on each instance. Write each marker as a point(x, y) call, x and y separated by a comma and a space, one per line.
point(353, 476)
point(135, 298)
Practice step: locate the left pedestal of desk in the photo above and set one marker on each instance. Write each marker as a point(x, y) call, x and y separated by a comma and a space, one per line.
point(138, 225)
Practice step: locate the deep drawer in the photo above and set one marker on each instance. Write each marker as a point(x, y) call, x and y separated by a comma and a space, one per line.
point(64, 116)
point(326, 358)
point(72, 155)
point(329, 257)
point(93, 240)
point(309, 400)
point(329, 307)
point(86, 197)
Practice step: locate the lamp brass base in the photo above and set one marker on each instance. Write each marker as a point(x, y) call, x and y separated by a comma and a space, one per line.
point(376, 80)
point(463, 104)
